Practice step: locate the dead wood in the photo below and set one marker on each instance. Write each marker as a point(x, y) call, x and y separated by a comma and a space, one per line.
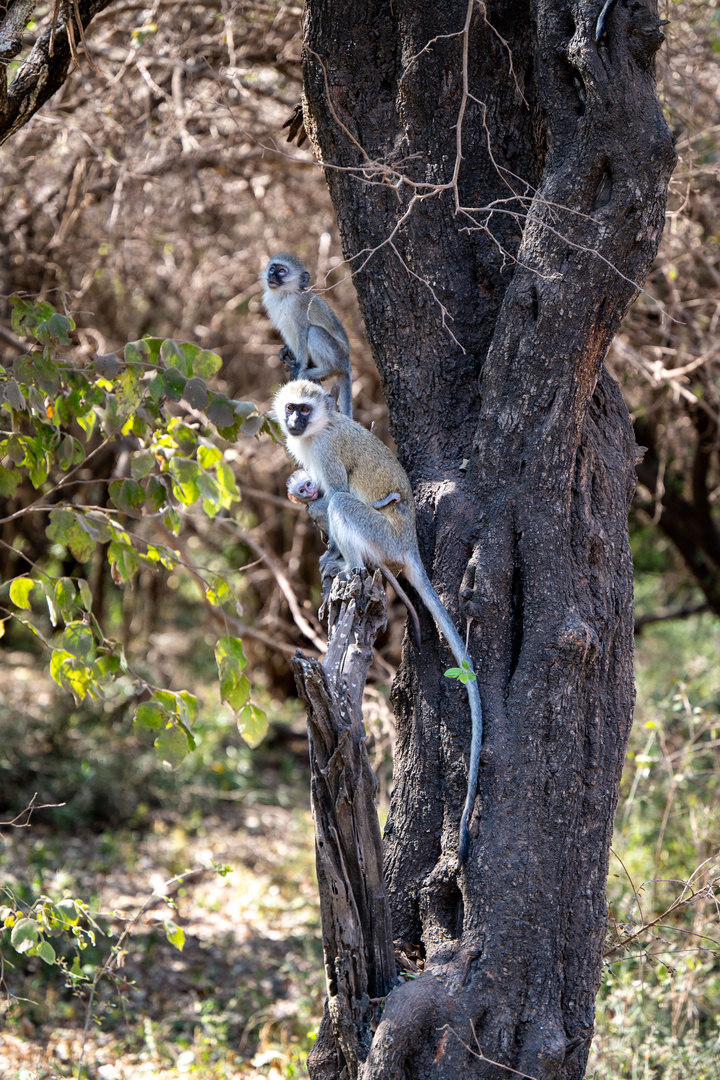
point(356, 926)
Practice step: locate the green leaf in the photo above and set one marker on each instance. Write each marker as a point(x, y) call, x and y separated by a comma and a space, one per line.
point(172, 356)
point(167, 699)
point(70, 452)
point(78, 640)
point(68, 911)
point(208, 456)
point(81, 545)
point(96, 524)
point(46, 373)
point(107, 364)
point(156, 387)
point(150, 719)
point(195, 393)
point(14, 395)
point(20, 590)
point(226, 479)
point(234, 686)
point(185, 475)
point(252, 425)
point(105, 666)
point(243, 409)
point(127, 495)
point(9, 480)
point(219, 592)
point(24, 935)
point(87, 422)
point(220, 412)
point(174, 382)
point(65, 595)
point(188, 706)
point(46, 952)
point(85, 594)
point(27, 314)
point(136, 352)
point(156, 492)
point(129, 393)
point(16, 449)
point(172, 521)
point(37, 466)
point(123, 562)
point(230, 646)
point(55, 330)
point(189, 351)
point(61, 526)
point(206, 364)
point(210, 491)
point(70, 673)
point(141, 462)
point(153, 347)
point(252, 724)
point(172, 746)
point(175, 934)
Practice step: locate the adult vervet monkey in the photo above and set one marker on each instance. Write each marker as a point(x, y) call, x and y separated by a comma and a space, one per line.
point(358, 474)
point(311, 331)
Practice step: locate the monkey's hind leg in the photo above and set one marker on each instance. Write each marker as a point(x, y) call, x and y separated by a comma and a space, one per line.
point(367, 538)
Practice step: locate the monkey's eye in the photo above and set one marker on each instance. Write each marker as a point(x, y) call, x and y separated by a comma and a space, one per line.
point(304, 409)
point(278, 269)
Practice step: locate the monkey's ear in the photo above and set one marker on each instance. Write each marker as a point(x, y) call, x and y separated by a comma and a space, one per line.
point(304, 279)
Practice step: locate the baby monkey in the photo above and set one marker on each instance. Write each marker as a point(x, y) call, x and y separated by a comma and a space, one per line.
point(370, 516)
point(315, 339)
point(302, 489)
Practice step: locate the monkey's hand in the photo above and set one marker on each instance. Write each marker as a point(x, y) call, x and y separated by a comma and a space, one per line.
point(287, 356)
point(331, 563)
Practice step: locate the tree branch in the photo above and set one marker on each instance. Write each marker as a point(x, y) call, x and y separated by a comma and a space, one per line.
point(42, 73)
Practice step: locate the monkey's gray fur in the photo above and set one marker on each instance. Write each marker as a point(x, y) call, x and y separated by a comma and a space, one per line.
point(313, 334)
point(301, 488)
point(357, 473)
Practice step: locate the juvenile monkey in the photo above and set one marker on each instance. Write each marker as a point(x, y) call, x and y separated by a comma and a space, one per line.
point(312, 332)
point(357, 473)
point(301, 488)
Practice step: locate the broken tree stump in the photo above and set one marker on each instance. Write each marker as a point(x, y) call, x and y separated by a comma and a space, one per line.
point(356, 926)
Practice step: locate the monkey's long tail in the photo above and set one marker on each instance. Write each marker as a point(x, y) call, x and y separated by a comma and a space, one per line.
point(418, 578)
point(346, 395)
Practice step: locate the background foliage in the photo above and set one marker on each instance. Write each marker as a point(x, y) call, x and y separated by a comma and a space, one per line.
point(142, 203)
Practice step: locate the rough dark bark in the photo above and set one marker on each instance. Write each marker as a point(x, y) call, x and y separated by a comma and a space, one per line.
point(521, 455)
point(43, 71)
point(357, 932)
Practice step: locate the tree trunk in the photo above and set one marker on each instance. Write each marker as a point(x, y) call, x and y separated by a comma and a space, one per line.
point(500, 182)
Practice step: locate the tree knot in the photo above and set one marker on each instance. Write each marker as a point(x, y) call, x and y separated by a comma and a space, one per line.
point(578, 642)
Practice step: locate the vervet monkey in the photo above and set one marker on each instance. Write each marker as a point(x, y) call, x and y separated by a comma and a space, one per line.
point(312, 332)
point(301, 488)
point(357, 473)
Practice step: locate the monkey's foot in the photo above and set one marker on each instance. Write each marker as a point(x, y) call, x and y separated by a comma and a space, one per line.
point(287, 357)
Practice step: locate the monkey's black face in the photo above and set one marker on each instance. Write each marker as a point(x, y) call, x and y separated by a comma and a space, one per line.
point(297, 417)
point(276, 274)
